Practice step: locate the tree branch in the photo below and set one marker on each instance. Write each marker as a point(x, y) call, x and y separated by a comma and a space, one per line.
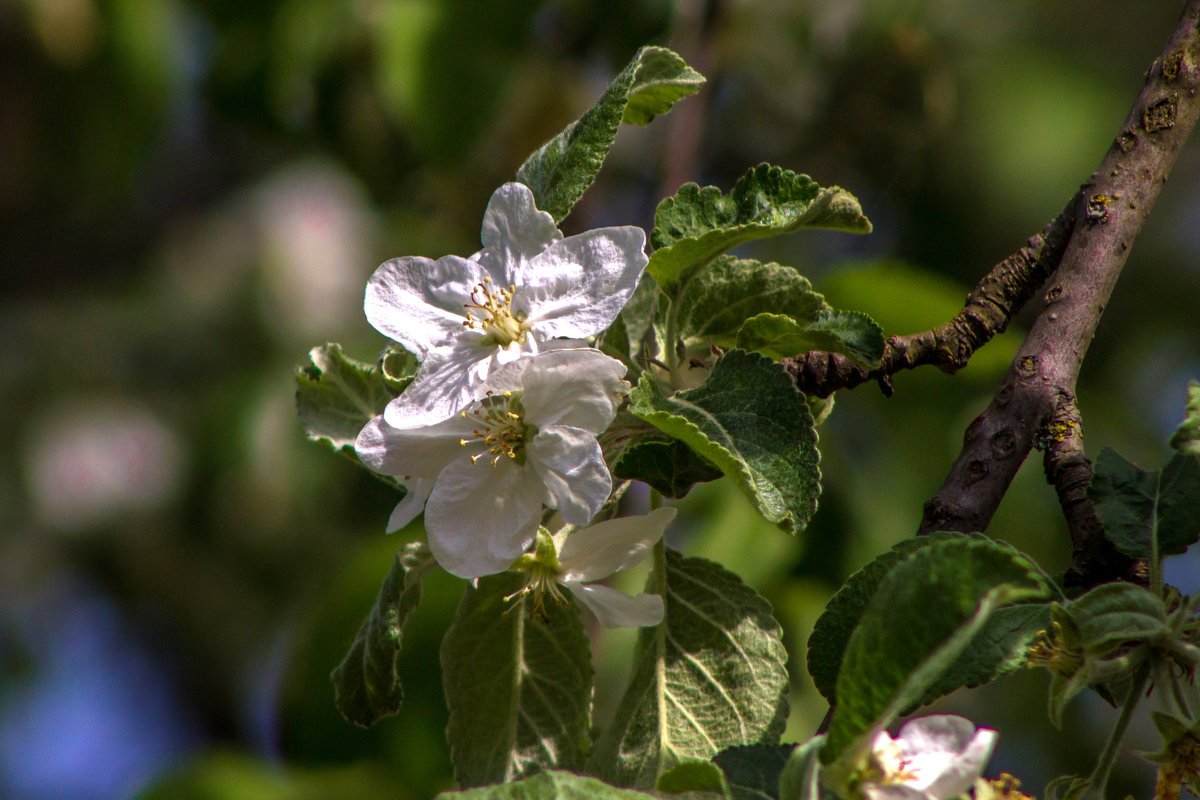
point(1035, 405)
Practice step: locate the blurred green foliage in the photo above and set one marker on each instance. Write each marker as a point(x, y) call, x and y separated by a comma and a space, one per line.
point(193, 193)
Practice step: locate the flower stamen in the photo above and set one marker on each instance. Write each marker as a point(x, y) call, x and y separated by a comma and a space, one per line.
point(497, 322)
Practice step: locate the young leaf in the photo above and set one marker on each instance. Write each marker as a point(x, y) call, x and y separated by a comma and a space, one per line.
point(562, 169)
point(668, 465)
point(832, 631)
point(801, 776)
point(366, 685)
point(549, 785)
point(1112, 614)
point(752, 771)
point(712, 675)
point(916, 625)
point(695, 775)
point(1147, 511)
point(750, 421)
point(847, 332)
point(1186, 438)
point(336, 396)
point(519, 689)
point(697, 225)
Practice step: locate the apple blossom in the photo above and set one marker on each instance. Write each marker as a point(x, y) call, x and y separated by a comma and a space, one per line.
point(938, 757)
point(527, 287)
point(483, 475)
point(591, 554)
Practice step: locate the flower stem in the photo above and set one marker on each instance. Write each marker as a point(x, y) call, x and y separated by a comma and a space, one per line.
point(1098, 780)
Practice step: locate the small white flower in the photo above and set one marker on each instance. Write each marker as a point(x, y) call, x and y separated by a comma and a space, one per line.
point(527, 287)
point(591, 554)
point(483, 475)
point(937, 757)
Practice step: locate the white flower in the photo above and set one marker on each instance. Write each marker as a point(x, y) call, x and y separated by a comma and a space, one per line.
point(937, 757)
point(463, 318)
point(483, 475)
point(591, 554)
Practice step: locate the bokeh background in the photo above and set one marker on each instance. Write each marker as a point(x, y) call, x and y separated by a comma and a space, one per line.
point(193, 194)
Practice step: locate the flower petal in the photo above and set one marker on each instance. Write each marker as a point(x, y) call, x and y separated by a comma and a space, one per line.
point(447, 381)
point(514, 231)
point(577, 286)
point(946, 753)
point(421, 452)
point(599, 550)
point(416, 492)
point(580, 388)
point(420, 303)
point(615, 609)
point(480, 517)
point(569, 462)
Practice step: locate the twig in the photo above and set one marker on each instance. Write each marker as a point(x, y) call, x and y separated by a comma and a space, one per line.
point(1037, 396)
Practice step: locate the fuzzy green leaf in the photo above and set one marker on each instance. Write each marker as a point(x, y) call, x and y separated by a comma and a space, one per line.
point(1144, 512)
point(336, 396)
point(668, 465)
point(562, 169)
point(712, 675)
point(697, 225)
point(694, 775)
point(1113, 614)
point(752, 771)
point(918, 622)
point(847, 332)
point(549, 785)
point(751, 421)
point(366, 684)
point(519, 689)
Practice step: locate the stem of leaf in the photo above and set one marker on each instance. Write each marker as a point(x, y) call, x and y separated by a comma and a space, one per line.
point(1098, 780)
point(672, 354)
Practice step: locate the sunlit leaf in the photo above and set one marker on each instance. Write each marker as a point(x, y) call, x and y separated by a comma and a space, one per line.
point(549, 785)
point(336, 396)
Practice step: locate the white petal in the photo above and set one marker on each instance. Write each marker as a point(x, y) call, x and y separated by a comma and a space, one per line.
point(577, 286)
point(420, 303)
point(447, 381)
point(577, 387)
point(599, 550)
point(569, 462)
point(945, 752)
point(615, 609)
point(421, 452)
point(416, 492)
point(514, 231)
point(892, 791)
point(480, 518)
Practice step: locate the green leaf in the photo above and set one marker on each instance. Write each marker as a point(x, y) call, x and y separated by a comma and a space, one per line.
point(366, 685)
point(712, 675)
point(1186, 438)
point(1112, 614)
point(519, 689)
point(751, 421)
point(916, 625)
point(398, 367)
point(697, 225)
point(801, 776)
point(549, 785)
point(669, 466)
point(336, 396)
point(752, 771)
point(1147, 511)
point(847, 332)
point(694, 775)
point(832, 630)
point(562, 169)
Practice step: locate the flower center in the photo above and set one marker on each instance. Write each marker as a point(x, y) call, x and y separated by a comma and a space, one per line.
point(496, 321)
point(501, 428)
point(543, 573)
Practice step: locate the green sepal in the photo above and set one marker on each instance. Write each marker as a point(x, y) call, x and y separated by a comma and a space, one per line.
point(711, 675)
point(366, 684)
point(562, 169)
point(749, 420)
point(694, 775)
point(697, 225)
point(336, 396)
point(549, 785)
point(519, 689)
point(905, 642)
